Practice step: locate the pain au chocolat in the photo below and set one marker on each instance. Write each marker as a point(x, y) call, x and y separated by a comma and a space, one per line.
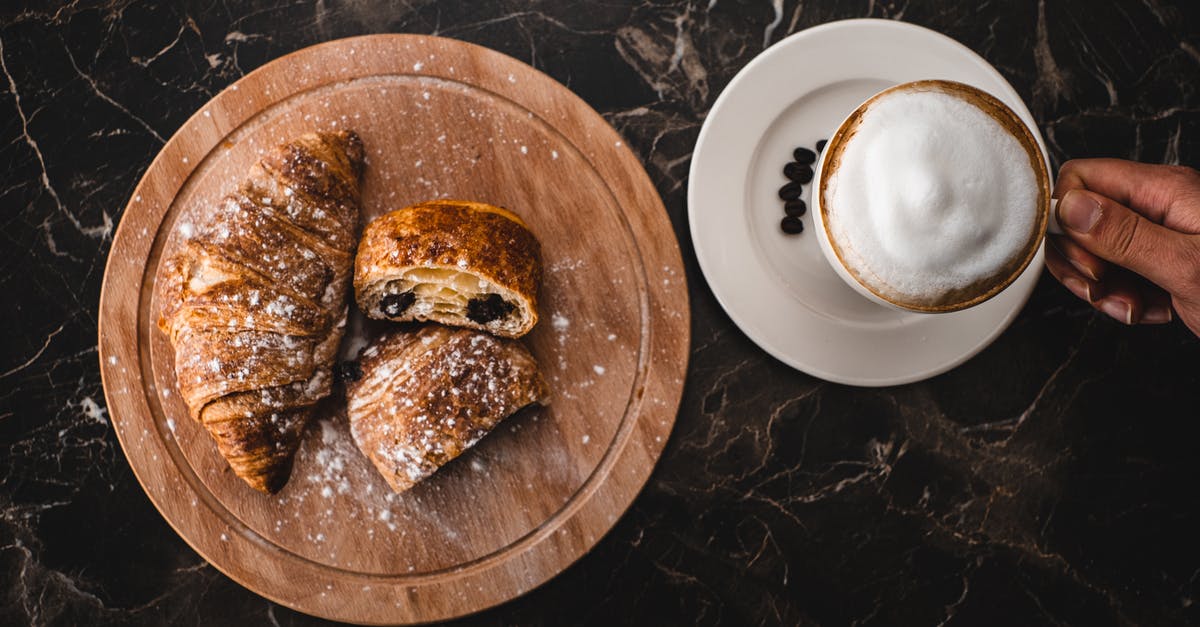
point(428, 394)
point(254, 300)
point(456, 262)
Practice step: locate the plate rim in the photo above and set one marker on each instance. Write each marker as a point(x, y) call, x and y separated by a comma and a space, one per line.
point(707, 264)
point(665, 339)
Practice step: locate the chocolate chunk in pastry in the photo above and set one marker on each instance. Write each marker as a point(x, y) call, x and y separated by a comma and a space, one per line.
point(461, 263)
point(430, 393)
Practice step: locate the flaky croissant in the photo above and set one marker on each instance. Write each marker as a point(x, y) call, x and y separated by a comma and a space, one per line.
point(428, 394)
point(254, 300)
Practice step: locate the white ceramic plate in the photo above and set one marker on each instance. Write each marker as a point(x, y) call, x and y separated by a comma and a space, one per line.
point(778, 288)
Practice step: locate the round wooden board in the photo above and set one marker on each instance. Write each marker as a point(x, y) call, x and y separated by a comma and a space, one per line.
point(439, 118)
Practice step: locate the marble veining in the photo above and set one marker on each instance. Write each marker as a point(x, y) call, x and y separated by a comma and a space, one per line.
point(1049, 480)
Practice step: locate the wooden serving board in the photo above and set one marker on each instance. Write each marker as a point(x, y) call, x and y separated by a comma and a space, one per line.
point(440, 118)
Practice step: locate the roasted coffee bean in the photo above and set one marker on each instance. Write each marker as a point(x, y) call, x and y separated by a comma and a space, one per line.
point(395, 304)
point(347, 371)
point(791, 191)
point(804, 156)
point(821, 144)
point(798, 172)
point(795, 208)
point(485, 310)
point(791, 225)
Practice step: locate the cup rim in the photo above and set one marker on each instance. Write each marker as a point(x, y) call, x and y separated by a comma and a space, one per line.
point(995, 109)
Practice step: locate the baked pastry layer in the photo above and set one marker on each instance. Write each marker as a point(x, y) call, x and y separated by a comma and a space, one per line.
point(428, 394)
point(457, 262)
point(254, 300)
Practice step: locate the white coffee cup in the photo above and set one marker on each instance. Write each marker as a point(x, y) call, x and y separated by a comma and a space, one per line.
point(984, 290)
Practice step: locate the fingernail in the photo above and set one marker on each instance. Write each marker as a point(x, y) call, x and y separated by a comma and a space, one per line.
point(1079, 288)
point(1157, 315)
point(1084, 269)
point(1056, 242)
point(1078, 211)
point(1118, 310)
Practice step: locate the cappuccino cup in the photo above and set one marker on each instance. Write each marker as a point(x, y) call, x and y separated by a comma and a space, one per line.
point(932, 197)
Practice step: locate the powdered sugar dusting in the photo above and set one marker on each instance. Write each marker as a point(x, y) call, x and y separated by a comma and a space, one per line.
point(337, 483)
point(332, 460)
point(336, 508)
point(561, 325)
point(427, 395)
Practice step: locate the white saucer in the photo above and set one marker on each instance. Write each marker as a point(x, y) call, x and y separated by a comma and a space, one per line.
point(778, 288)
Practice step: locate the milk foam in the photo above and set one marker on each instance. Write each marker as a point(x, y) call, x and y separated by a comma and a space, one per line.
point(931, 195)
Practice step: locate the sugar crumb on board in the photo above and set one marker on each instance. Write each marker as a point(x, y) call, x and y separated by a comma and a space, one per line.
point(339, 477)
point(566, 265)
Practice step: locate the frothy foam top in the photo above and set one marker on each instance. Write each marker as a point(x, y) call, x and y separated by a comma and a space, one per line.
point(932, 196)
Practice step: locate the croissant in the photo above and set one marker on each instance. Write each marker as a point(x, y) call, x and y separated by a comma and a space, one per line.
point(428, 394)
point(456, 262)
point(254, 300)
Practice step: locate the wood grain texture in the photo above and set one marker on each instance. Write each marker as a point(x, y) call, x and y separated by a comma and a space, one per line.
point(439, 118)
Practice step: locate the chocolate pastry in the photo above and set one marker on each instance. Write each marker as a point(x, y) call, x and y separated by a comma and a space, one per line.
point(430, 393)
point(451, 261)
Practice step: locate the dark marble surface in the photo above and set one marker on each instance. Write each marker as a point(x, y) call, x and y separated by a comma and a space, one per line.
point(1050, 480)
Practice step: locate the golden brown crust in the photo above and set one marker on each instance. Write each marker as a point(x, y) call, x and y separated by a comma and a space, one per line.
point(487, 242)
point(428, 394)
point(254, 300)
point(439, 232)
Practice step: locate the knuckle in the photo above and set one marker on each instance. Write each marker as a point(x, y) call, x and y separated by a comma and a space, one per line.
point(1188, 263)
point(1178, 187)
point(1184, 178)
point(1184, 172)
point(1123, 238)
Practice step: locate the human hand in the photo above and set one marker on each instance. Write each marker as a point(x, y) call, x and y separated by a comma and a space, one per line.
point(1132, 239)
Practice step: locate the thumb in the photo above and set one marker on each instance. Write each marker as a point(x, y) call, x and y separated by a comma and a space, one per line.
point(1118, 234)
